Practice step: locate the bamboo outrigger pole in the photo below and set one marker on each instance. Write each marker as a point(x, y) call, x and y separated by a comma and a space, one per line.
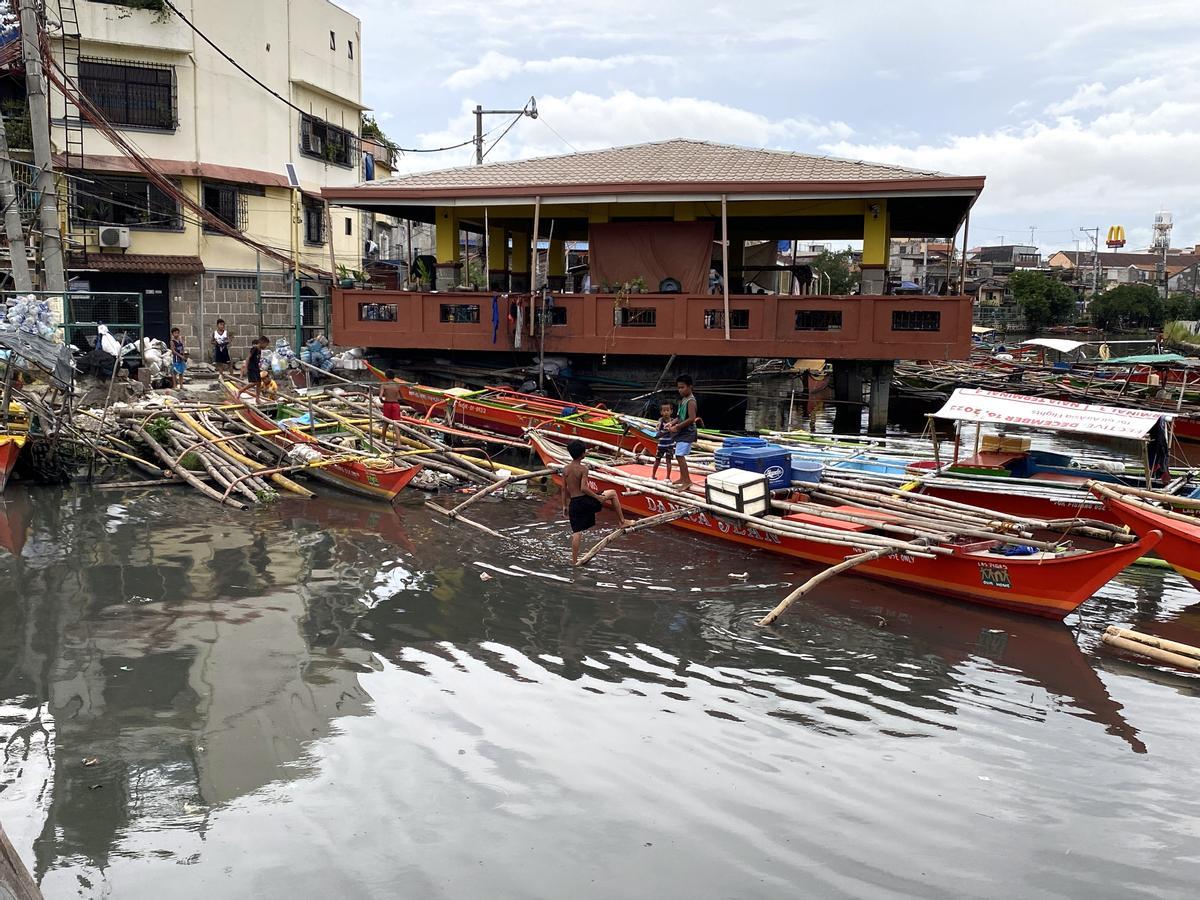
point(848, 563)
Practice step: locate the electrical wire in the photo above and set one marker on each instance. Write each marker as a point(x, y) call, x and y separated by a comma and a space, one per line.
point(542, 119)
point(233, 62)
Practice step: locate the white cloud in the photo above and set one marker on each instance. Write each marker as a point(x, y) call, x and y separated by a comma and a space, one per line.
point(494, 66)
point(1130, 151)
point(590, 121)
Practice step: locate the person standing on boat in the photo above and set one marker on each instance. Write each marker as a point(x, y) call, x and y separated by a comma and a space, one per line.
point(684, 429)
point(580, 502)
point(666, 438)
point(389, 396)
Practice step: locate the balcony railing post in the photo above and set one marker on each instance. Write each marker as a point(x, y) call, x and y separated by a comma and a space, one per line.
point(725, 257)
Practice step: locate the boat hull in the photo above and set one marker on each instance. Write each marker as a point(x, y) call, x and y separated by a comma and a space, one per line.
point(1180, 544)
point(356, 477)
point(10, 449)
point(1074, 503)
point(514, 420)
point(1050, 588)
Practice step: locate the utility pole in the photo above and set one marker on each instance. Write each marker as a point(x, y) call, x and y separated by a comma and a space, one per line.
point(530, 109)
point(1094, 234)
point(22, 280)
point(39, 125)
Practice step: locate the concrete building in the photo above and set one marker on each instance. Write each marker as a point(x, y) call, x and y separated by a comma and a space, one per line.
point(225, 142)
point(1120, 267)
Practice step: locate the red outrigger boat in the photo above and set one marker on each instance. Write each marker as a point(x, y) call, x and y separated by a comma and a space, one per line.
point(367, 474)
point(1180, 544)
point(10, 449)
point(511, 413)
point(1051, 585)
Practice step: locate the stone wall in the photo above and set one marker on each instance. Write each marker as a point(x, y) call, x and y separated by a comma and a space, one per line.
point(231, 296)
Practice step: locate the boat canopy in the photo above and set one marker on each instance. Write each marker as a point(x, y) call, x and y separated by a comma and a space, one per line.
point(1044, 414)
point(1062, 345)
point(1148, 359)
point(981, 329)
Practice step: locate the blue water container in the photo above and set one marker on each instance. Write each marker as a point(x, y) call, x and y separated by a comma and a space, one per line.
point(806, 470)
point(722, 455)
point(774, 462)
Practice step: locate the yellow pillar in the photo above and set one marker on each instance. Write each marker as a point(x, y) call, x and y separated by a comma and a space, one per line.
point(558, 258)
point(497, 250)
point(446, 235)
point(875, 233)
point(520, 262)
point(520, 252)
point(876, 237)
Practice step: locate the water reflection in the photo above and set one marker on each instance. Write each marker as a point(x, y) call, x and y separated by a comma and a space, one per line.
point(200, 656)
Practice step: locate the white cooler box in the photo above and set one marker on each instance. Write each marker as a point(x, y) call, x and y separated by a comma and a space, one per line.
point(739, 490)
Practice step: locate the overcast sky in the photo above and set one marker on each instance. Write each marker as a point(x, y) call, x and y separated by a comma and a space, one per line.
point(1079, 113)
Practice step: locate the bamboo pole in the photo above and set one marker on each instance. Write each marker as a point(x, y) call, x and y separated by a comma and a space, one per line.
point(669, 516)
point(1154, 641)
point(1163, 656)
point(848, 563)
point(182, 472)
point(461, 518)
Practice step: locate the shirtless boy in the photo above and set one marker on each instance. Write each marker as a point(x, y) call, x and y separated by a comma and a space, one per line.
point(580, 502)
point(389, 395)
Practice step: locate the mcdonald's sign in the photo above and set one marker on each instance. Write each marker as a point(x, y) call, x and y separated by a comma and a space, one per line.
point(1116, 236)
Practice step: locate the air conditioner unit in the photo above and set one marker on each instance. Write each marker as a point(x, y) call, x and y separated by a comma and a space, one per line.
point(113, 236)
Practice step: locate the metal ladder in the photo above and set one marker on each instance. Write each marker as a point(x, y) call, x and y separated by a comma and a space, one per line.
point(75, 233)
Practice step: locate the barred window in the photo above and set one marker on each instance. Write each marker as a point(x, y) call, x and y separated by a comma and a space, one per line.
point(739, 319)
point(323, 141)
point(818, 320)
point(123, 200)
point(236, 283)
point(555, 315)
point(916, 320)
point(637, 316)
point(314, 221)
point(139, 95)
point(459, 313)
point(228, 204)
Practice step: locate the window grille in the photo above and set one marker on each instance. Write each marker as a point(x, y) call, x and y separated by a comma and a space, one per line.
point(739, 319)
point(122, 200)
point(314, 222)
point(637, 316)
point(818, 320)
point(236, 283)
point(459, 313)
point(329, 143)
point(137, 95)
point(916, 320)
point(228, 204)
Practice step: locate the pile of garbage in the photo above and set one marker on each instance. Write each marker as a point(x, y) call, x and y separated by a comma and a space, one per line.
point(283, 357)
point(351, 360)
point(155, 355)
point(317, 353)
point(29, 314)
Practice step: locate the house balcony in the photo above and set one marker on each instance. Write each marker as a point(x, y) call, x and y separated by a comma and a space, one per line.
point(761, 325)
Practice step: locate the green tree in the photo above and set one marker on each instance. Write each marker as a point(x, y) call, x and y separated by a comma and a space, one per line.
point(1128, 306)
point(1179, 306)
point(838, 267)
point(1043, 300)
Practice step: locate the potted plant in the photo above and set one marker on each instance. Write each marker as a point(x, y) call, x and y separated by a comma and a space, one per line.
point(345, 277)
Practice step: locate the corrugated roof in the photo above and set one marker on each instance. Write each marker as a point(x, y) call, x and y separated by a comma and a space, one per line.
point(677, 161)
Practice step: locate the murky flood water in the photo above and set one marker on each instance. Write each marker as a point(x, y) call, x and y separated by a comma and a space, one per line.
point(336, 699)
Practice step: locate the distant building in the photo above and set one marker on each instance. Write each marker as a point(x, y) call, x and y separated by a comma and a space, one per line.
point(1119, 267)
point(1007, 258)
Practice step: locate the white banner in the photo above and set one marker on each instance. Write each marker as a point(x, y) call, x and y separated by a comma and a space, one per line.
point(970, 405)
